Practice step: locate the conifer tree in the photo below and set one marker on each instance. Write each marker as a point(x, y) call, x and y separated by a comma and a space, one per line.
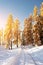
point(17, 32)
point(27, 30)
point(8, 31)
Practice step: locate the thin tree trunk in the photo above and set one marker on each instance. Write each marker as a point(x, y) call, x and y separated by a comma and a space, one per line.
point(17, 40)
point(11, 45)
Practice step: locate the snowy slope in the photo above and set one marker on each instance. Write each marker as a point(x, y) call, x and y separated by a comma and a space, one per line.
point(37, 54)
point(21, 56)
point(21, 59)
point(7, 54)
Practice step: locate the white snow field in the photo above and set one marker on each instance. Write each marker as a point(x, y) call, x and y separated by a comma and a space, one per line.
point(21, 56)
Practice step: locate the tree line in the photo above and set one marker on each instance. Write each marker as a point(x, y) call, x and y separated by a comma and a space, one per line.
point(31, 34)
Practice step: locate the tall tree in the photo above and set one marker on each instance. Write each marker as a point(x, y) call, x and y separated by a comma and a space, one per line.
point(17, 32)
point(36, 31)
point(41, 22)
point(41, 10)
point(8, 31)
point(1, 34)
point(27, 30)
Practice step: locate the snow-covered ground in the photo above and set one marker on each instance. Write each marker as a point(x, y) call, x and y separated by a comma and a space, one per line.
point(36, 54)
point(21, 56)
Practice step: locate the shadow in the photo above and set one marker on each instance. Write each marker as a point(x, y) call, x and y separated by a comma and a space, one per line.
point(38, 56)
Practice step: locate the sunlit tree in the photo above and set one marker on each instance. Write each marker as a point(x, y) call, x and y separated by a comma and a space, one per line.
point(41, 10)
point(41, 22)
point(8, 31)
point(36, 31)
point(17, 32)
point(1, 34)
point(27, 30)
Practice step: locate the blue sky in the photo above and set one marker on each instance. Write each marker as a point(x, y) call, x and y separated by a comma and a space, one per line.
point(18, 8)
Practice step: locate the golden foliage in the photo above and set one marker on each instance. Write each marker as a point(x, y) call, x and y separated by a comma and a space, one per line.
point(41, 9)
point(8, 29)
point(35, 11)
point(16, 26)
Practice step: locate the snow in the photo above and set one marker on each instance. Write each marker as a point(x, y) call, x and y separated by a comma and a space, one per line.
point(37, 54)
point(21, 56)
point(6, 55)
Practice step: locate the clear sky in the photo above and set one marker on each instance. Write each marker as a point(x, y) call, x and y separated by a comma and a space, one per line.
point(18, 8)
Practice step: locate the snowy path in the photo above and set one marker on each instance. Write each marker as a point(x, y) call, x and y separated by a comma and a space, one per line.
point(24, 59)
point(36, 54)
point(8, 56)
point(28, 59)
point(21, 56)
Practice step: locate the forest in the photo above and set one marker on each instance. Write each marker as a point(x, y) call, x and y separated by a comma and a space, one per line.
point(32, 32)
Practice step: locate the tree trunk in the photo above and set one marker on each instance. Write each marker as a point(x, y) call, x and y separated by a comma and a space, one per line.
point(17, 45)
point(11, 45)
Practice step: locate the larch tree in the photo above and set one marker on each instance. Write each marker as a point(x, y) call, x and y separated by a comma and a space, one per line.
point(41, 22)
point(27, 30)
point(16, 32)
point(1, 34)
point(8, 31)
point(36, 27)
point(41, 10)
